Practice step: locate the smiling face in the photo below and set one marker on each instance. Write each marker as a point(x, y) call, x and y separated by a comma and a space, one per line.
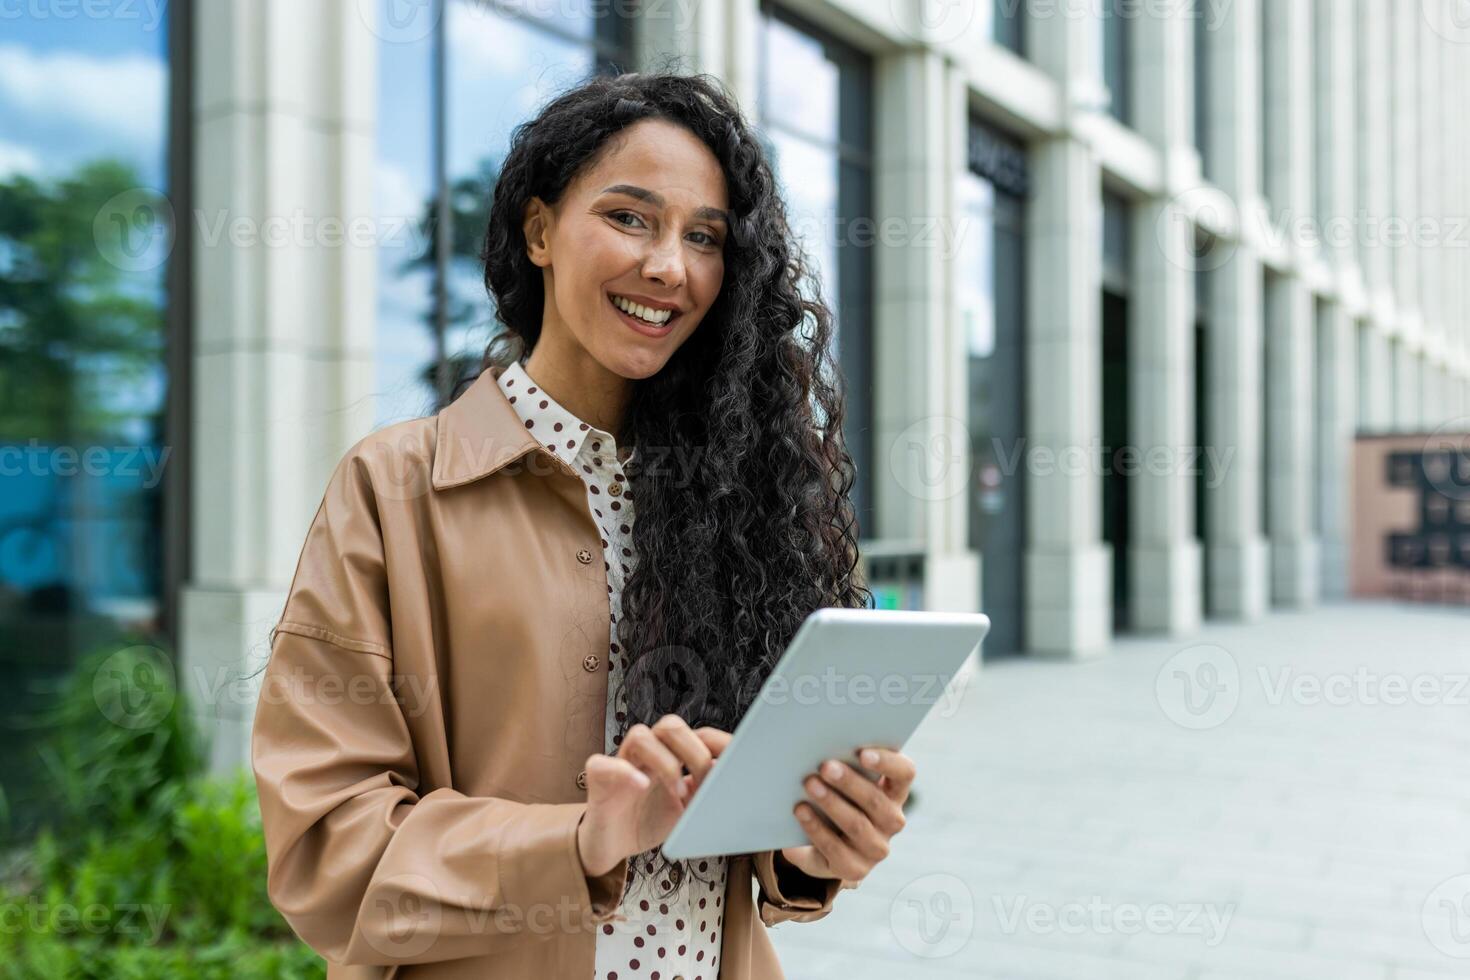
point(642, 223)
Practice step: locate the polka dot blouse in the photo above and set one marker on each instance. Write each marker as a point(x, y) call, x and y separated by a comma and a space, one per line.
point(653, 938)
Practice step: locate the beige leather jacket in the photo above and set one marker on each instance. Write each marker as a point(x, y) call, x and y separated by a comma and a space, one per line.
point(434, 688)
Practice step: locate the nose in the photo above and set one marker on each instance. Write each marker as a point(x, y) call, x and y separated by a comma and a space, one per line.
point(664, 262)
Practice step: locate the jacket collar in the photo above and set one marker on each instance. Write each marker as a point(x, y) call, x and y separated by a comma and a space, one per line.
point(478, 433)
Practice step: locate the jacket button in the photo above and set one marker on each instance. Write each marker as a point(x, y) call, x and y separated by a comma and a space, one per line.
point(590, 662)
point(615, 489)
point(584, 556)
point(582, 779)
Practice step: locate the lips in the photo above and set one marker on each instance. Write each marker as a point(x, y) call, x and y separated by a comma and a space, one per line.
point(643, 326)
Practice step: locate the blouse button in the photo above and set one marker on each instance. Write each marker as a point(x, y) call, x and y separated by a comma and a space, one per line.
point(615, 489)
point(582, 779)
point(590, 662)
point(584, 556)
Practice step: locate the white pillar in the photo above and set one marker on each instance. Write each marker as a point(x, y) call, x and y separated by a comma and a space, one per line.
point(284, 340)
point(1375, 143)
point(1406, 22)
point(1236, 550)
point(1406, 383)
point(1290, 321)
point(1068, 566)
point(1163, 553)
point(1336, 398)
point(920, 350)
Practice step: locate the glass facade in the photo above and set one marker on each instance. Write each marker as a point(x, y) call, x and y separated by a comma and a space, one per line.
point(1117, 259)
point(992, 286)
point(1117, 24)
point(447, 105)
point(85, 244)
point(816, 112)
point(1008, 24)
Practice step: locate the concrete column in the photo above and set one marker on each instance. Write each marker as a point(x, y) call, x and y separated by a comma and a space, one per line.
point(1337, 349)
point(705, 36)
point(1068, 566)
point(1406, 384)
point(1432, 114)
point(284, 330)
point(1406, 22)
point(920, 350)
point(1375, 147)
point(1164, 553)
point(1236, 551)
point(1377, 381)
point(1336, 71)
point(1290, 322)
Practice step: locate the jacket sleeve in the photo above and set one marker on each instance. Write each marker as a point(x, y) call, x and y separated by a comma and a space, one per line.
point(364, 868)
point(789, 894)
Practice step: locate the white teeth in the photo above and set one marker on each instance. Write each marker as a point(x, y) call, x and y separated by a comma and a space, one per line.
point(655, 317)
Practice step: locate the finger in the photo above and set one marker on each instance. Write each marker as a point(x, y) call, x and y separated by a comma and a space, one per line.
point(853, 822)
point(880, 808)
point(838, 853)
point(604, 770)
point(896, 768)
point(647, 751)
point(715, 739)
point(684, 743)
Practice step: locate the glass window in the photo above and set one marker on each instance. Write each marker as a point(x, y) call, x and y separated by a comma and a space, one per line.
point(991, 277)
point(1008, 24)
point(1117, 27)
point(816, 105)
point(85, 241)
point(1201, 85)
point(447, 105)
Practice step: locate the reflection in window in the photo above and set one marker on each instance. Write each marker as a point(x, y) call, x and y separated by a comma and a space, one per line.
point(487, 68)
point(1008, 24)
point(85, 238)
point(816, 108)
point(1116, 30)
point(991, 286)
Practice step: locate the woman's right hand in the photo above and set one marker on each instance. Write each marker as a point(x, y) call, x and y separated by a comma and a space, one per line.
point(635, 798)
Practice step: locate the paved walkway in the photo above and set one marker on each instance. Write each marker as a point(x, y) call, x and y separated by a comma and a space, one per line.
point(1288, 799)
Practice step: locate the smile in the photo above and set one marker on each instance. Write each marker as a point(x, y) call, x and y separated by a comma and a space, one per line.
point(652, 323)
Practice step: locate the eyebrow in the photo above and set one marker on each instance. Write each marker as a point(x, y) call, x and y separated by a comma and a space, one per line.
point(657, 200)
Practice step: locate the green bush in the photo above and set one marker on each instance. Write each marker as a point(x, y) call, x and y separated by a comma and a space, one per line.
point(149, 868)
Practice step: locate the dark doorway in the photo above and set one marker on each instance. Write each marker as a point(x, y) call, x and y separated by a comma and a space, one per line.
point(1115, 482)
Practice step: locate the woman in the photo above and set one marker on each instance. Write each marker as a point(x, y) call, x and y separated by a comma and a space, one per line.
point(492, 691)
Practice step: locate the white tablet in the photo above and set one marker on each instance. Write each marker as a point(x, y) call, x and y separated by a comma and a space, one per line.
point(849, 678)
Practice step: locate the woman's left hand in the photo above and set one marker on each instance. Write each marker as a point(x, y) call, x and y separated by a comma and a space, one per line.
point(864, 814)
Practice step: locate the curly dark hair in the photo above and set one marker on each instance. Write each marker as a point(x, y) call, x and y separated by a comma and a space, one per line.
point(735, 550)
